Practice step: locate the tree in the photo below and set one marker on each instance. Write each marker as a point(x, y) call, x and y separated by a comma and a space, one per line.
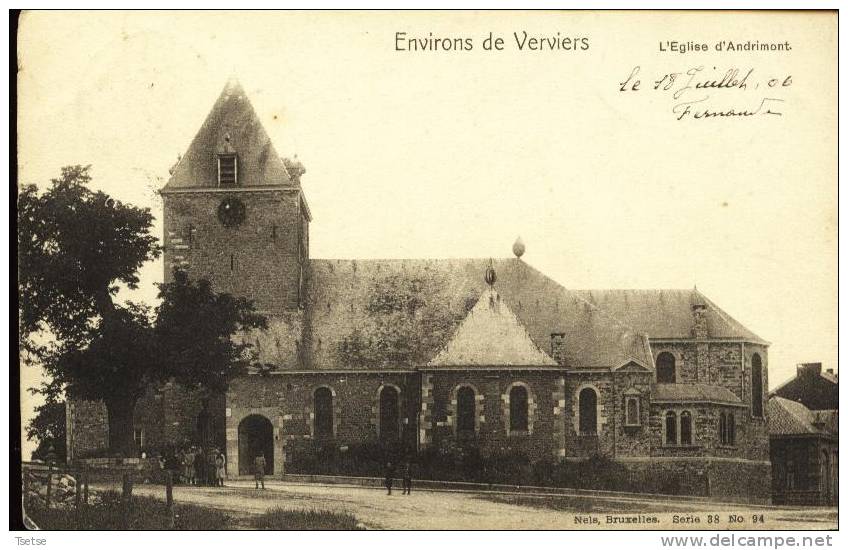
point(48, 428)
point(117, 366)
point(76, 245)
point(194, 332)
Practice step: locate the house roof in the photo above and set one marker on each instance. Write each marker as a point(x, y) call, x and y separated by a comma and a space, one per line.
point(491, 335)
point(787, 417)
point(667, 314)
point(693, 393)
point(232, 126)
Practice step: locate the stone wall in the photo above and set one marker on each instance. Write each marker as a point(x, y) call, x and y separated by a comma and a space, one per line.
point(88, 428)
point(259, 259)
point(492, 411)
point(286, 399)
point(168, 417)
point(732, 480)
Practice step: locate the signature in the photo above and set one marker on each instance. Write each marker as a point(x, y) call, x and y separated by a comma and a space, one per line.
point(681, 86)
point(691, 109)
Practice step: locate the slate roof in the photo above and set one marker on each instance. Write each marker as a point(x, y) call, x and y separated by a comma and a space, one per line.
point(693, 393)
point(349, 319)
point(787, 417)
point(232, 116)
point(491, 335)
point(667, 314)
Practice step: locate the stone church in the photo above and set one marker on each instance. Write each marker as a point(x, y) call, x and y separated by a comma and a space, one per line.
point(419, 351)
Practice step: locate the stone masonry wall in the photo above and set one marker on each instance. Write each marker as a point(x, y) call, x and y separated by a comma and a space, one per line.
point(259, 259)
point(491, 389)
point(287, 401)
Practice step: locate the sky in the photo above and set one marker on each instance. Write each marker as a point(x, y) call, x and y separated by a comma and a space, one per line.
point(430, 154)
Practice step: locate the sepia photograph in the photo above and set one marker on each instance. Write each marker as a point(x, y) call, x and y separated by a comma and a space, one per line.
point(427, 270)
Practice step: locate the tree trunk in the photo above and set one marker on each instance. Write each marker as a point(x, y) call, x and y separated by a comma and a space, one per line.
point(121, 438)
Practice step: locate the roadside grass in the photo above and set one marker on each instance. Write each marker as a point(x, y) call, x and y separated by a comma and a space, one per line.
point(142, 513)
point(280, 519)
point(584, 505)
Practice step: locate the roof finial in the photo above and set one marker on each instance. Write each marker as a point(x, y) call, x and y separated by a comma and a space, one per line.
point(518, 247)
point(491, 276)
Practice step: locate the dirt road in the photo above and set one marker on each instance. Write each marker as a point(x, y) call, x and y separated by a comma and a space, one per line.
point(466, 510)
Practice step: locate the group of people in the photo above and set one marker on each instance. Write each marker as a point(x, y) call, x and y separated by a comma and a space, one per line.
point(195, 466)
point(406, 477)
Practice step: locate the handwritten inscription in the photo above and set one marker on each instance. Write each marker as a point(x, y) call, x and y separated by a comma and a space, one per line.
point(701, 93)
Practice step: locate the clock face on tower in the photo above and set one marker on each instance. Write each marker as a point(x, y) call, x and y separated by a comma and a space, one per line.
point(231, 212)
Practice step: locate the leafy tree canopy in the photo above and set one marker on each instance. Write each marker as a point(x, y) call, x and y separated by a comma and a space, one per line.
point(74, 246)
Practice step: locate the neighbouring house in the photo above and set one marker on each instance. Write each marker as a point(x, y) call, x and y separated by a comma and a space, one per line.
point(420, 353)
point(816, 389)
point(804, 453)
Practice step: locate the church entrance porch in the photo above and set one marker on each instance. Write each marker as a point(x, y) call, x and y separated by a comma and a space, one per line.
point(255, 437)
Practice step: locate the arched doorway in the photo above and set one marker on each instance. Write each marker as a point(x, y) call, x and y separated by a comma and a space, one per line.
point(255, 437)
point(389, 414)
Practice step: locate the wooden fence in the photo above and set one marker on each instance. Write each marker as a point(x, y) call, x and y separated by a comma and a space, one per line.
point(62, 485)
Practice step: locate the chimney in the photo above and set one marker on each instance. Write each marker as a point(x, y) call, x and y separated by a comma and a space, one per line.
point(809, 369)
point(699, 315)
point(558, 347)
point(830, 371)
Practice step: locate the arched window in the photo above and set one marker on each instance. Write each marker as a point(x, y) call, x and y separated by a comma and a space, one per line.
point(722, 428)
point(518, 409)
point(671, 428)
point(588, 411)
point(323, 410)
point(666, 369)
point(685, 428)
point(389, 414)
point(731, 429)
point(465, 410)
point(756, 385)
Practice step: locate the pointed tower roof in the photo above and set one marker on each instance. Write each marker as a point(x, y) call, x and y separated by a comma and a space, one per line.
point(491, 335)
point(232, 126)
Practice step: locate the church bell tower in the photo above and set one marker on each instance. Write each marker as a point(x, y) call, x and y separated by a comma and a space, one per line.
point(234, 210)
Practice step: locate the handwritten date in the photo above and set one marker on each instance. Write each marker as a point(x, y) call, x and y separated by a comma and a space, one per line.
point(693, 90)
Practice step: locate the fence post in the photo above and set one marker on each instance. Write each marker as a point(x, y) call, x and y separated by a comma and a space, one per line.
point(169, 497)
point(49, 484)
point(25, 473)
point(78, 490)
point(126, 489)
point(169, 488)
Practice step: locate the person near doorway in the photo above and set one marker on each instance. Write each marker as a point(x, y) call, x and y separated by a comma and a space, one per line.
point(407, 478)
point(259, 470)
point(220, 471)
point(188, 465)
point(212, 467)
point(199, 467)
point(390, 476)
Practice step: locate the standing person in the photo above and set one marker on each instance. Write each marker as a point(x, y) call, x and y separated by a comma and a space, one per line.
point(390, 476)
point(188, 465)
point(407, 478)
point(220, 463)
point(211, 467)
point(199, 467)
point(259, 470)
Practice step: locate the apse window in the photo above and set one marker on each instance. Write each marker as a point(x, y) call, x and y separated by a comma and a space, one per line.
point(631, 408)
point(227, 170)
